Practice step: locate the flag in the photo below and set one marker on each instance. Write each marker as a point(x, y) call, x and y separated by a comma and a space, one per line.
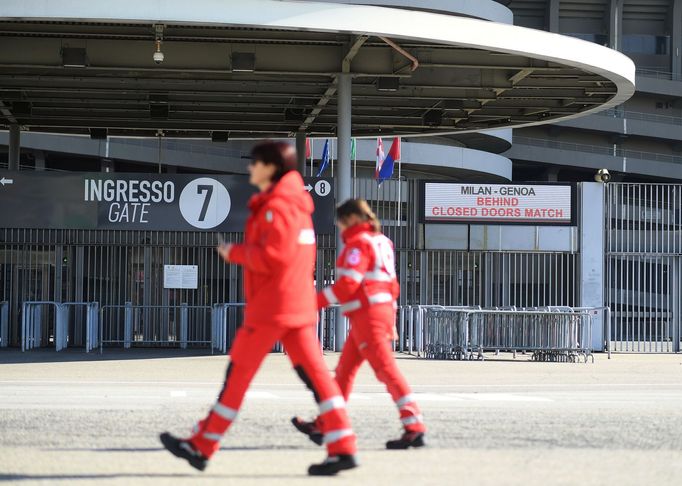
point(380, 157)
point(386, 168)
point(353, 149)
point(308, 152)
point(325, 158)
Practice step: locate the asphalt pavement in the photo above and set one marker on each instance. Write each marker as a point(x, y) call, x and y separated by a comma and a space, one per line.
point(71, 418)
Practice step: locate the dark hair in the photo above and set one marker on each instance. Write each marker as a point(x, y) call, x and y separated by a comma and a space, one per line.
point(358, 207)
point(280, 154)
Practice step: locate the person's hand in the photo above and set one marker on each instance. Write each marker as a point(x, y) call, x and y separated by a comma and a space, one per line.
point(224, 250)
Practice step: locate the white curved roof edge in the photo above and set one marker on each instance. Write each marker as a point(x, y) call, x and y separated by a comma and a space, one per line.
point(421, 156)
point(354, 19)
point(480, 9)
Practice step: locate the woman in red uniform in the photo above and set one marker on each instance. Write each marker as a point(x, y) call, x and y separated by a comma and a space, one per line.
point(366, 288)
point(278, 256)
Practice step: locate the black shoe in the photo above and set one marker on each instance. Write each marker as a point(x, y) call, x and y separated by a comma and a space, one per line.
point(333, 464)
point(309, 429)
point(184, 450)
point(408, 439)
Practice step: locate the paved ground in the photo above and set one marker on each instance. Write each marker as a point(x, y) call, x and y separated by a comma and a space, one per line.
point(72, 419)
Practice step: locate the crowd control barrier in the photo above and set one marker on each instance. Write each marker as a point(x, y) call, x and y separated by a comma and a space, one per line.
point(181, 325)
point(4, 324)
point(35, 331)
point(549, 333)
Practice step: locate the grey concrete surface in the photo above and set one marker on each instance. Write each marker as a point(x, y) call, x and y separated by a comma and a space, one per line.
point(77, 419)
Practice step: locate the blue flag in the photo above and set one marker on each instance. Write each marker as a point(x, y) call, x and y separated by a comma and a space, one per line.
point(325, 158)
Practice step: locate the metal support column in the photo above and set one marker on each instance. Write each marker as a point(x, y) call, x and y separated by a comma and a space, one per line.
point(676, 45)
point(14, 147)
point(344, 188)
point(616, 25)
point(300, 151)
point(553, 16)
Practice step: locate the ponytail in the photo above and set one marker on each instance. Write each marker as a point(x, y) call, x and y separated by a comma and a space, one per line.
point(360, 208)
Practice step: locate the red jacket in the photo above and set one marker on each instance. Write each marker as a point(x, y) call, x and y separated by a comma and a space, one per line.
point(365, 274)
point(278, 256)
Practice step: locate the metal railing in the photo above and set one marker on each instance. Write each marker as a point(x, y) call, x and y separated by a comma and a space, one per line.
point(638, 115)
point(156, 325)
point(597, 149)
point(35, 333)
point(550, 334)
point(655, 73)
point(4, 324)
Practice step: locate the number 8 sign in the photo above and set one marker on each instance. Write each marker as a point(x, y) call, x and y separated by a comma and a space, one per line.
point(205, 203)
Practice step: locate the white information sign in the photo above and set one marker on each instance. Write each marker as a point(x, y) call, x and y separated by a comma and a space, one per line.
point(180, 276)
point(498, 203)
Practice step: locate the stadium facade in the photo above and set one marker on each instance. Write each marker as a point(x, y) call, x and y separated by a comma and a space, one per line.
point(637, 137)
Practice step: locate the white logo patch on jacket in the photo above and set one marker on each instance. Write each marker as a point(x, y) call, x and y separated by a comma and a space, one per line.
point(306, 237)
point(353, 257)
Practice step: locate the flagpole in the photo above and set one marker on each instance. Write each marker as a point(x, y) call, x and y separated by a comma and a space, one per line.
point(312, 155)
point(331, 156)
point(400, 185)
point(354, 144)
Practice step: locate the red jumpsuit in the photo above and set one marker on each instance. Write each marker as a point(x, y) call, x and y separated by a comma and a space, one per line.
point(278, 256)
point(366, 287)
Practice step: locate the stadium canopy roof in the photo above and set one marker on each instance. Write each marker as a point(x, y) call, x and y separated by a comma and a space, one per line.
point(266, 68)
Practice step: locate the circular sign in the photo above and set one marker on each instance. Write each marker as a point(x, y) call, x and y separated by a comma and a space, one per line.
point(205, 203)
point(323, 188)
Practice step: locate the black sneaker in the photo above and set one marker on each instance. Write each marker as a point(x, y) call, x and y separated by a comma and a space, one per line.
point(333, 464)
point(408, 439)
point(309, 429)
point(184, 450)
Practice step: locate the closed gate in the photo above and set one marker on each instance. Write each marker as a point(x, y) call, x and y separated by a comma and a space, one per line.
point(644, 266)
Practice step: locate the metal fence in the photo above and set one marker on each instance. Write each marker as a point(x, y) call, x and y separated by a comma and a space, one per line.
point(644, 266)
point(549, 334)
point(4, 324)
point(118, 267)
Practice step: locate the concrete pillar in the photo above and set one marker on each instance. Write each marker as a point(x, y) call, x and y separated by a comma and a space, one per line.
point(300, 151)
point(553, 16)
point(343, 177)
point(592, 221)
point(616, 25)
point(14, 147)
point(676, 44)
point(39, 156)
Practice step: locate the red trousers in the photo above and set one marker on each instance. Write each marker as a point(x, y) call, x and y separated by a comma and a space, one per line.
point(370, 339)
point(250, 347)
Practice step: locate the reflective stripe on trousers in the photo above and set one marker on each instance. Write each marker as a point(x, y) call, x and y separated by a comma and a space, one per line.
point(225, 412)
point(332, 403)
point(336, 435)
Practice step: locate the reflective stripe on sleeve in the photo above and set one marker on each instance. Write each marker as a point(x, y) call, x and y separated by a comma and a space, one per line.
point(401, 402)
point(336, 435)
point(378, 276)
point(380, 298)
point(213, 437)
point(415, 419)
point(351, 306)
point(350, 273)
point(329, 295)
point(332, 404)
point(225, 412)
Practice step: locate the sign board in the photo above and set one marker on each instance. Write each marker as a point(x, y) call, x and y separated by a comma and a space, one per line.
point(529, 204)
point(180, 276)
point(118, 201)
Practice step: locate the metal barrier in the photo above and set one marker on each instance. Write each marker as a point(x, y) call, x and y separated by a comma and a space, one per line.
point(550, 334)
point(156, 325)
point(4, 324)
point(221, 325)
point(34, 334)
